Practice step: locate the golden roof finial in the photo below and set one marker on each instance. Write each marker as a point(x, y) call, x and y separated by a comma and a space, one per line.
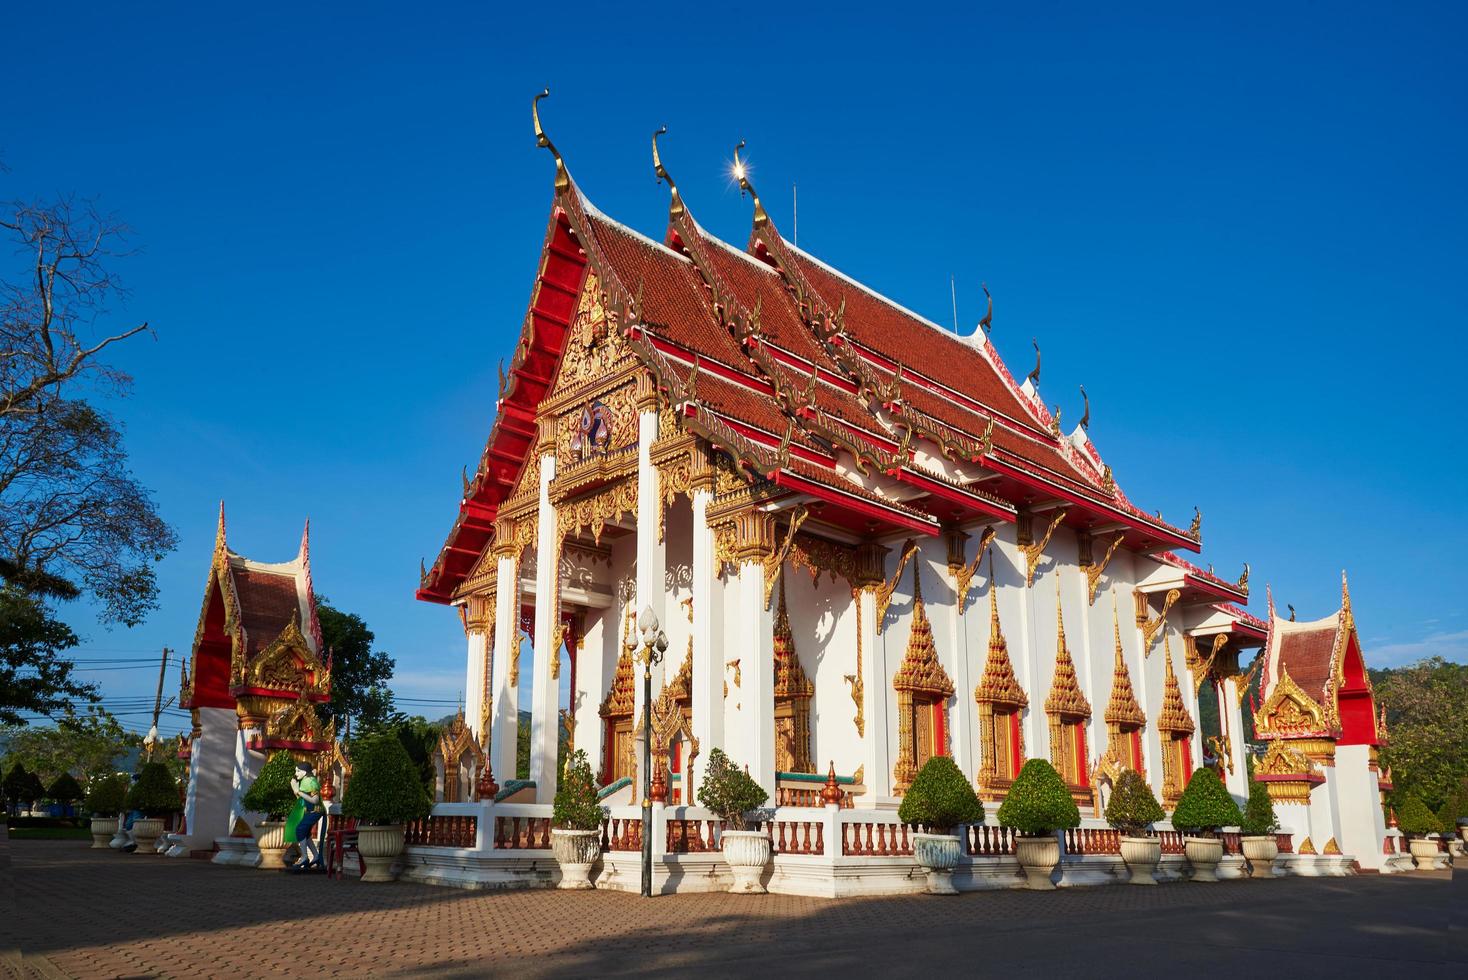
point(993, 605)
point(1116, 630)
point(741, 174)
point(563, 178)
point(1167, 673)
point(675, 208)
point(1059, 618)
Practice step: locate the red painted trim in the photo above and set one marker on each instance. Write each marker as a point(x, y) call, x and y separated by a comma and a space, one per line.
point(1205, 585)
point(274, 693)
point(938, 488)
point(284, 743)
point(820, 491)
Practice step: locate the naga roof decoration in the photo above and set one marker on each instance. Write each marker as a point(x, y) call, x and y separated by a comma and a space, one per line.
point(999, 684)
point(250, 635)
point(1122, 708)
point(790, 679)
point(920, 670)
point(1174, 716)
point(1066, 699)
point(807, 380)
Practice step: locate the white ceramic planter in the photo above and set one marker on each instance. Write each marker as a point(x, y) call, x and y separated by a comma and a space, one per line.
point(270, 839)
point(746, 852)
point(103, 829)
point(1260, 852)
point(1037, 857)
point(379, 847)
point(937, 854)
point(1204, 853)
point(145, 833)
point(576, 851)
point(1141, 855)
point(1424, 852)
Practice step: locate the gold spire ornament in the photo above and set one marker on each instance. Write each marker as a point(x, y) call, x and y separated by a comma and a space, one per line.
point(922, 685)
point(563, 177)
point(741, 174)
point(675, 207)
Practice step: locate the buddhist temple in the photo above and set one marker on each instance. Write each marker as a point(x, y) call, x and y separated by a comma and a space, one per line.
point(888, 548)
point(252, 684)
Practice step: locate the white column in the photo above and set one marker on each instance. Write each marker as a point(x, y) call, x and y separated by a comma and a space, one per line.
point(476, 662)
point(211, 783)
point(506, 705)
point(651, 562)
point(962, 714)
point(708, 666)
point(247, 765)
point(876, 684)
point(545, 723)
point(1231, 720)
point(754, 635)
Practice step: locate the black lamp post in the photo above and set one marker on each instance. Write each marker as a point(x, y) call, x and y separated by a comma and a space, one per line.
point(654, 642)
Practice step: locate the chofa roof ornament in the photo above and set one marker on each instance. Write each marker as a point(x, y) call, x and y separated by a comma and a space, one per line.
point(741, 174)
point(563, 177)
point(675, 207)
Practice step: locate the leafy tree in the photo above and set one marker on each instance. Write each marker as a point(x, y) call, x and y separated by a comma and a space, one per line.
point(108, 795)
point(1205, 804)
point(1427, 715)
point(729, 791)
point(34, 676)
point(359, 674)
point(418, 737)
point(1415, 819)
point(576, 806)
point(70, 509)
point(64, 789)
point(1132, 807)
point(1038, 802)
point(382, 789)
point(940, 798)
point(1259, 818)
point(89, 744)
point(271, 792)
point(155, 793)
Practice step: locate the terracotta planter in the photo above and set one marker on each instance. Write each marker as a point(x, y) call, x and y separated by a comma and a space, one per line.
point(937, 854)
point(1141, 855)
point(1260, 852)
point(747, 852)
point(103, 829)
point(270, 839)
point(1204, 853)
point(1424, 852)
point(576, 851)
point(379, 847)
point(147, 829)
point(1037, 857)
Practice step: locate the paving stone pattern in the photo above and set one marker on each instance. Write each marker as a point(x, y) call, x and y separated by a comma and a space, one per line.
point(84, 913)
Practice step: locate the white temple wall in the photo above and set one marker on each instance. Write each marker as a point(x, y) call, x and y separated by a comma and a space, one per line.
point(210, 792)
point(1325, 809)
point(823, 622)
point(677, 585)
point(1013, 602)
point(731, 674)
point(1363, 826)
point(247, 765)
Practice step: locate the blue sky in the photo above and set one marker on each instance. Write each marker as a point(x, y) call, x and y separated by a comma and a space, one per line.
point(1242, 229)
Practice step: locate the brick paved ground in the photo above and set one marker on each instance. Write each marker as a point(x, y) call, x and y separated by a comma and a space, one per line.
point(90, 913)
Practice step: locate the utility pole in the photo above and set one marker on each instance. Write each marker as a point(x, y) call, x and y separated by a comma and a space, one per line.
point(151, 740)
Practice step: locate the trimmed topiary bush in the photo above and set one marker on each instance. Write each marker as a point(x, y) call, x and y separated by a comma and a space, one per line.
point(1205, 806)
point(1415, 819)
point(730, 791)
point(271, 793)
point(385, 787)
point(155, 794)
point(64, 789)
point(1132, 808)
point(107, 796)
point(1038, 802)
point(940, 798)
point(576, 806)
point(1259, 818)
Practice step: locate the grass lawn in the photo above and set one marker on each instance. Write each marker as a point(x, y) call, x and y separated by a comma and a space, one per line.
point(50, 833)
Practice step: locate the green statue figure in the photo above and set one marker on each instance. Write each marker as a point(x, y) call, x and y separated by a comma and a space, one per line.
point(300, 825)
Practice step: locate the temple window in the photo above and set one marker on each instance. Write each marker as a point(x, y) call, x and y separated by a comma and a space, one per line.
point(1001, 703)
point(923, 690)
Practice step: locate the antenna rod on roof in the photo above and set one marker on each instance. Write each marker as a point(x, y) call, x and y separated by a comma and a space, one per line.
point(953, 292)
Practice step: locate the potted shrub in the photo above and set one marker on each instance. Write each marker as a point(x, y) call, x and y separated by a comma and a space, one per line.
point(733, 794)
point(1203, 810)
point(155, 796)
point(1133, 810)
point(1037, 806)
point(1259, 826)
point(385, 792)
point(1417, 822)
point(105, 801)
point(939, 800)
point(65, 791)
point(270, 795)
point(577, 816)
